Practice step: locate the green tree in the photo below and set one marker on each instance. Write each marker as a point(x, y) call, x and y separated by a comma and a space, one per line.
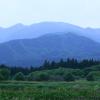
point(90, 77)
point(42, 77)
point(46, 64)
point(5, 73)
point(1, 77)
point(31, 77)
point(19, 76)
point(69, 77)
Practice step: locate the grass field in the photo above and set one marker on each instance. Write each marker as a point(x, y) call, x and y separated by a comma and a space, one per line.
point(79, 90)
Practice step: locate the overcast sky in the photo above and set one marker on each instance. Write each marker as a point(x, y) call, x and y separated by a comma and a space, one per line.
point(85, 13)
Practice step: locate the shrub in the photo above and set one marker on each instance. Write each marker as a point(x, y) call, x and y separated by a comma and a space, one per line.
point(31, 77)
point(56, 78)
point(69, 77)
point(42, 77)
point(5, 73)
point(1, 77)
point(19, 76)
point(90, 77)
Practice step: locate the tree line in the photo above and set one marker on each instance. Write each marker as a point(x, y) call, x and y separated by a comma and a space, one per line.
point(69, 70)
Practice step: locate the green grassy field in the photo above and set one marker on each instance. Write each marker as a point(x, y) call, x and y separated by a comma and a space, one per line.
point(79, 90)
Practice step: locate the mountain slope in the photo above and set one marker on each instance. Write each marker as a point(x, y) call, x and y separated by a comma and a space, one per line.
point(20, 31)
point(28, 52)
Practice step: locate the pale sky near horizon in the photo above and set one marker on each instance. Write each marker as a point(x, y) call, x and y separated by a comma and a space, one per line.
point(84, 13)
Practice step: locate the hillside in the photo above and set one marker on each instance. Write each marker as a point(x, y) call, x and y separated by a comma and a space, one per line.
point(21, 31)
point(28, 52)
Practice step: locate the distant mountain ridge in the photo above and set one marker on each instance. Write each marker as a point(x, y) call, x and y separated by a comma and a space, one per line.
point(21, 31)
point(27, 52)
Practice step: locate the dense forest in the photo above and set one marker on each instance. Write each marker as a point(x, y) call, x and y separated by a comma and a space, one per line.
point(63, 70)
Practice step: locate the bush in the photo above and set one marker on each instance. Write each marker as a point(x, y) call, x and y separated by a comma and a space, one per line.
point(1, 77)
point(31, 77)
point(19, 76)
point(90, 77)
point(42, 77)
point(69, 77)
point(56, 78)
point(5, 73)
point(38, 76)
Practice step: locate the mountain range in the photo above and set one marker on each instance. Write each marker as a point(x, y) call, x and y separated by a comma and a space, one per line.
point(20, 31)
point(27, 52)
point(30, 45)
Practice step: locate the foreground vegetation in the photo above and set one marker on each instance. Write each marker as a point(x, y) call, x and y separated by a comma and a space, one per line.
point(69, 70)
point(79, 90)
point(64, 80)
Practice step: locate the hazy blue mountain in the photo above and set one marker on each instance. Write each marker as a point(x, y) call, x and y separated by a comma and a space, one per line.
point(20, 31)
point(55, 46)
point(10, 33)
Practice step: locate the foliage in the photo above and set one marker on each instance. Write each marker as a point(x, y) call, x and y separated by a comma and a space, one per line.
point(5, 73)
point(80, 90)
point(90, 77)
point(52, 71)
point(1, 77)
point(69, 77)
point(19, 76)
point(42, 77)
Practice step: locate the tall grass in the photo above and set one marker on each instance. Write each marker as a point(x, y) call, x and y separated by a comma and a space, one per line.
point(80, 90)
